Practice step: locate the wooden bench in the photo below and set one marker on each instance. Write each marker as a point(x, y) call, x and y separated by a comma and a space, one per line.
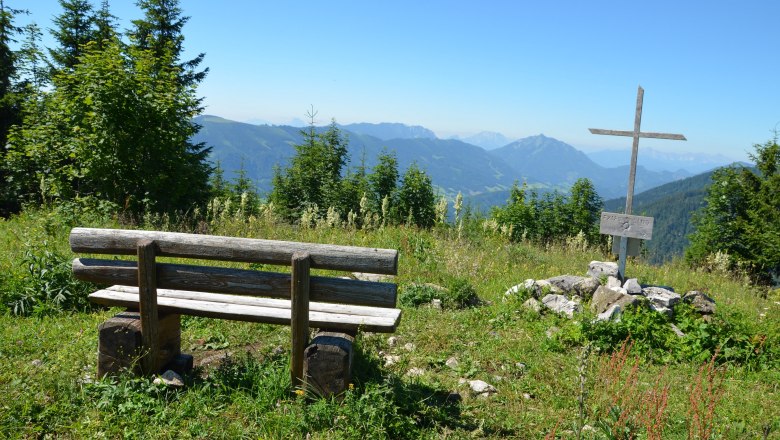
point(161, 292)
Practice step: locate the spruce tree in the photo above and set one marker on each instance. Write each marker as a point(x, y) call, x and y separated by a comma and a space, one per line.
point(74, 28)
point(416, 199)
point(741, 217)
point(105, 25)
point(161, 31)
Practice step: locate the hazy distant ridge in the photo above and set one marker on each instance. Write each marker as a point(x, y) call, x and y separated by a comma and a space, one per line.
point(454, 166)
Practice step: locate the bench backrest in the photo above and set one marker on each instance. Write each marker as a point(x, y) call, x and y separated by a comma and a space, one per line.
point(236, 281)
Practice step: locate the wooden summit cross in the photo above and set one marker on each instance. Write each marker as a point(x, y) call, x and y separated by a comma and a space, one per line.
point(626, 225)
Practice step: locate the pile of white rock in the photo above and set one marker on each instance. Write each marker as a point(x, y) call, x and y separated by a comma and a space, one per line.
point(606, 295)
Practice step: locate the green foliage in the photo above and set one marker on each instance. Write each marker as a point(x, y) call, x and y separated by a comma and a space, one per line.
point(416, 200)
point(457, 295)
point(47, 285)
point(552, 217)
point(730, 336)
point(315, 186)
point(418, 294)
point(74, 28)
point(313, 178)
point(115, 128)
point(742, 217)
point(384, 180)
point(160, 32)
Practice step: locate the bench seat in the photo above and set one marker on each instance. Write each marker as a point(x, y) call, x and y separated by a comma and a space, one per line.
point(256, 309)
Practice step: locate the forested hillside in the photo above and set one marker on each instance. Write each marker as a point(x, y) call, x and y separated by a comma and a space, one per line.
point(672, 206)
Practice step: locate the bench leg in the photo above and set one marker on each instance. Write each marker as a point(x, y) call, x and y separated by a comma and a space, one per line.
point(299, 315)
point(328, 363)
point(120, 344)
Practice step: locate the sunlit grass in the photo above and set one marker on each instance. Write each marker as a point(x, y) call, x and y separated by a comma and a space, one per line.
point(44, 362)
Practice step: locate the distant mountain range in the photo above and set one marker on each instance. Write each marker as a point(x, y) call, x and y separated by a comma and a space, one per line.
point(488, 140)
point(387, 131)
point(654, 160)
point(454, 166)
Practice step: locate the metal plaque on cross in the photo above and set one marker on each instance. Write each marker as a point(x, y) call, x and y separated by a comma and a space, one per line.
point(622, 226)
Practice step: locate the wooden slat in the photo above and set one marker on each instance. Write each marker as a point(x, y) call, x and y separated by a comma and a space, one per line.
point(321, 315)
point(147, 306)
point(237, 281)
point(250, 250)
point(299, 322)
point(341, 309)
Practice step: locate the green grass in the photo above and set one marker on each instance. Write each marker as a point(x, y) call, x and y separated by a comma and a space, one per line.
point(45, 358)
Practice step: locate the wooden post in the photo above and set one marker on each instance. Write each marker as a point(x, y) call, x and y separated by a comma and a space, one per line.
point(299, 320)
point(147, 304)
point(328, 364)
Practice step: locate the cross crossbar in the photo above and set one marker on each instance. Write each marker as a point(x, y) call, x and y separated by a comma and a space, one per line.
point(674, 137)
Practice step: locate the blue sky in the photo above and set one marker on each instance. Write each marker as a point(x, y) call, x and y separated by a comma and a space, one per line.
point(709, 69)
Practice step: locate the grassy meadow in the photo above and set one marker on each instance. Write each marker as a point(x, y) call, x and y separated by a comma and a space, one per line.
point(555, 377)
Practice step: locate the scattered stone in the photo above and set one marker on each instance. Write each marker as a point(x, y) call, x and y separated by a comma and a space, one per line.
point(391, 359)
point(169, 378)
point(415, 372)
point(278, 350)
point(552, 331)
point(605, 297)
point(701, 302)
point(586, 287)
point(520, 366)
point(436, 304)
point(613, 283)
point(677, 331)
point(371, 277)
point(560, 304)
point(661, 309)
point(547, 287)
point(462, 381)
point(632, 286)
point(528, 396)
point(37, 363)
point(660, 296)
point(565, 282)
point(598, 269)
point(533, 305)
point(611, 314)
point(528, 285)
point(392, 341)
point(409, 346)
point(480, 387)
point(452, 363)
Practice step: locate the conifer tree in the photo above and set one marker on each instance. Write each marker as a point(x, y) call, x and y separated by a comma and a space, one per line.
point(105, 25)
point(74, 28)
point(416, 199)
point(161, 31)
point(741, 218)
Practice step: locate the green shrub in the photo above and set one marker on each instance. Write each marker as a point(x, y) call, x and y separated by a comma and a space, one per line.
point(46, 285)
point(415, 295)
point(460, 294)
